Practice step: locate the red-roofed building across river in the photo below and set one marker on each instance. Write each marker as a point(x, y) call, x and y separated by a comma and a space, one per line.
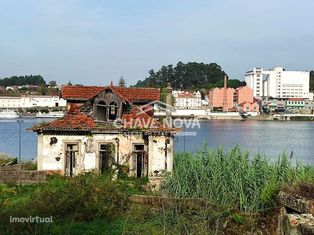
point(104, 128)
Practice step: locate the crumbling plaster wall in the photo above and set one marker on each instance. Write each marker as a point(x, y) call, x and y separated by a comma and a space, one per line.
point(157, 153)
point(51, 155)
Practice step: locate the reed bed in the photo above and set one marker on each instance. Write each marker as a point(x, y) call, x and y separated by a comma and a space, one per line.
point(234, 179)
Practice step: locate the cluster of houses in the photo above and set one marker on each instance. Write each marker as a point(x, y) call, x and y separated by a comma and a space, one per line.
point(218, 99)
point(16, 88)
point(31, 101)
point(266, 90)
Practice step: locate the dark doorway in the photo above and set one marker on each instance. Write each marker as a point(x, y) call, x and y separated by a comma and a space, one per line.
point(139, 160)
point(71, 153)
point(106, 157)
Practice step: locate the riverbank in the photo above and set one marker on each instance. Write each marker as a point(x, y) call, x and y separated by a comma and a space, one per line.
point(226, 191)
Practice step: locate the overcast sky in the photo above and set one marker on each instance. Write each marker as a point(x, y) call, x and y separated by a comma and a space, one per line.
point(93, 42)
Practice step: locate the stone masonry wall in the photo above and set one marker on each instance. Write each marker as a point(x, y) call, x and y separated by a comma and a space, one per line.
point(15, 174)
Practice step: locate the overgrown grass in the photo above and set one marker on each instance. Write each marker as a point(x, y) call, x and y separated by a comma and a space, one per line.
point(81, 199)
point(233, 179)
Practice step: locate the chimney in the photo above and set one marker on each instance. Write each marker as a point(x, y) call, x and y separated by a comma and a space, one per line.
point(225, 82)
point(168, 104)
point(111, 83)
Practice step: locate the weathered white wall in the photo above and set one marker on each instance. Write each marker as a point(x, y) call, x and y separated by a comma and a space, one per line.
point(157, 150)
point(88, 158)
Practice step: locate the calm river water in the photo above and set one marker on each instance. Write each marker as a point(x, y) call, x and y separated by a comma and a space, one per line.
point(269, 137)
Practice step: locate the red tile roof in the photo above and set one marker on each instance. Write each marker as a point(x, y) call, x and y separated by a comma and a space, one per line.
point(245, 102)
point(71, 122)
point(295, 99)
point(138, 94)
point(78, 121)
point(127, 93)
point(80, 92)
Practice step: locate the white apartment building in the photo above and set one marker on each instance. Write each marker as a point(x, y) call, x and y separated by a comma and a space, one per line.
point(187, 100)
point(254, 80)
point(278, 83)
point(30, 101)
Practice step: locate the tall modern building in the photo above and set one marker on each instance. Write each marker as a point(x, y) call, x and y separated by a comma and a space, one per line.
point(278, 83)
point(254, 80)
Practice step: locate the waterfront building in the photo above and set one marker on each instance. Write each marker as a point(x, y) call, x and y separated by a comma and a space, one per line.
point(254, 79)
point(105, 128)
point(221, 98)
point(243, 94)
point(295, 103)
point(187, 100)
point(248, 107)
point(278, 83)
point(31, 101)
point(229, 99)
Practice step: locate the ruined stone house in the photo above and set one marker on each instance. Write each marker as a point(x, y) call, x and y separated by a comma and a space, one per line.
point(105, 127)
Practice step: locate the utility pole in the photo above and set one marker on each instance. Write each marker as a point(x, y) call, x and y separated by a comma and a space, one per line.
point(20, 139)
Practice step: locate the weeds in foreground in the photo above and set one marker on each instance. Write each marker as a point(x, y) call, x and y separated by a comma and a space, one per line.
point(233, 179)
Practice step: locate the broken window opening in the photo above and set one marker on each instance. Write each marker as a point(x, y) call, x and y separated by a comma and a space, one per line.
point(113, 109)
point(140, 163)
point(106, 156)
point(71, 153)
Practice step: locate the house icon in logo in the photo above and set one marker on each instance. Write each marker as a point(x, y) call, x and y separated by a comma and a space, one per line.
point(156, 107)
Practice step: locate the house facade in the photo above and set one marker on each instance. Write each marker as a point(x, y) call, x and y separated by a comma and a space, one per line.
point(187, 100)
point(249, 107)
point(105, 129)
point(295, 103)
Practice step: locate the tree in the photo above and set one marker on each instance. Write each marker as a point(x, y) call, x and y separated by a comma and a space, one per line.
point(23, 80)
point(233, 83)
point(52, 83)
point(121, 82)
point(189, 76)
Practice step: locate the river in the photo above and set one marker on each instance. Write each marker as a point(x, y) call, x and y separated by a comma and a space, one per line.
point(269, 137)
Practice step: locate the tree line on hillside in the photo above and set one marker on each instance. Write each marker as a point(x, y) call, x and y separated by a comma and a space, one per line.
point(23, 80)
point(189, 76)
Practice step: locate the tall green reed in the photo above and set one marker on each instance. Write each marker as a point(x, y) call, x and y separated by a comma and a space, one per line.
point(233, 179)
